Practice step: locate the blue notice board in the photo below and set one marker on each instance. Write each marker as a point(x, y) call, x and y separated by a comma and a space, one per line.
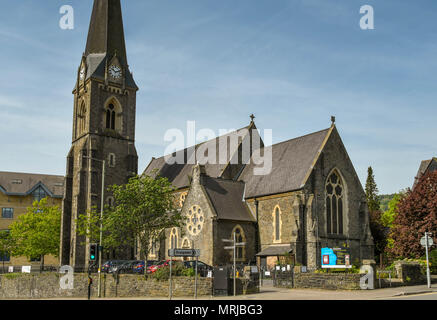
point(336, 258)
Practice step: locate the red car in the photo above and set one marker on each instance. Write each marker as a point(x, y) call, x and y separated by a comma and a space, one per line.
point(161, 264)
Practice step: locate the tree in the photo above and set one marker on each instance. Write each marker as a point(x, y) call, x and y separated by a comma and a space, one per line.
point(144, 208)
point(388, 217)
point(372, 191)
point(6, 245)
point(379, 232)
point(417, 214)
point(37, 233)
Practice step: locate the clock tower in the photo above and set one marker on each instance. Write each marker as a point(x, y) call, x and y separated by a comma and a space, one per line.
point(103, 128)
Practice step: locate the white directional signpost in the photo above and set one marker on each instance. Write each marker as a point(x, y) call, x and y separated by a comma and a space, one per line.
point(427, 242)
point(184, 253)
point(234, 248)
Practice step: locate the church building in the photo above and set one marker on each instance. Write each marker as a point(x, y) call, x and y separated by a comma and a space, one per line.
point(312, 198)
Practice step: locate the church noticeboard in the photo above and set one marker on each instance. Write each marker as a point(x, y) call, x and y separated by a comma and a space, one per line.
point(339, 257)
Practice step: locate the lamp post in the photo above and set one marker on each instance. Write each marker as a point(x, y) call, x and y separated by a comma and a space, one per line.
point(101, 225)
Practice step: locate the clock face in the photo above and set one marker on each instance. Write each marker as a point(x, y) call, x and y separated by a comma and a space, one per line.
point(82, 73)
point(115, 72)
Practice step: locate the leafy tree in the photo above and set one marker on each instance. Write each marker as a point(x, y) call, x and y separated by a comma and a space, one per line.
point(417, 214)
point(144, 208)
point(372, 191)
point(6, 245)
point(37, 233)
point(388, 217)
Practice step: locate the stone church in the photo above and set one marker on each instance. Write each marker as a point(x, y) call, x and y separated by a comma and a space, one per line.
point(312, 197)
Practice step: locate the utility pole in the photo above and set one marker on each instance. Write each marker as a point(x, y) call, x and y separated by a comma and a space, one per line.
point(102, 202)
point(234, 248)
point(428, 275)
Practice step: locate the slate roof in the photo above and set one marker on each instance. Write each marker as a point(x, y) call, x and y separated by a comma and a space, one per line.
point(425, 166)
point(178, 174)
point(275, 250)
point(291, 161)
point(23, 184)
point(227, 199)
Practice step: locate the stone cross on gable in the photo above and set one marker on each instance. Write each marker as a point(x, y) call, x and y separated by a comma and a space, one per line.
point(252, 117)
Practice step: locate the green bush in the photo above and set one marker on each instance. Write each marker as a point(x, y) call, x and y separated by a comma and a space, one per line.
point(178, 270)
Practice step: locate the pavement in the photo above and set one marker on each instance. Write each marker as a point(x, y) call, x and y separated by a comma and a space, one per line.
point(268, 292)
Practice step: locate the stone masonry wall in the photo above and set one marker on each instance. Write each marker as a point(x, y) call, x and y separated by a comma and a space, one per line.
point(46, 285)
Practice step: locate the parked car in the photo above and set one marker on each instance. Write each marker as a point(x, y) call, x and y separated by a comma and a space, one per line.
point(127, 266)
point(202, 268)
point(139, 267)
point(106, 267)
point(160, 264)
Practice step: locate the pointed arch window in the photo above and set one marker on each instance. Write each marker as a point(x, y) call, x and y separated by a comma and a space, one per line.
point(239, 237)
point(334, 204)
point(173, 239)
point(277, 224)
point(110, 117)
point(82, 118)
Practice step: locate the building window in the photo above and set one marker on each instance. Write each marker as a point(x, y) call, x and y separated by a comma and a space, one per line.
point(334, 204)
point(186, 244)
point(82, 119)
point(277, 224)
point(110, 201)
point(7, 213)
point(5, 257)
point(39, 194)
point(35, 259)
point(174, 239)
point(196, 219)
point(110, 117)
point(111, 160)
point(182, 198)
point(239, 238)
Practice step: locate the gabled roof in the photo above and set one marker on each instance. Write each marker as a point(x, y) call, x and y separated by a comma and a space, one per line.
point(292, 161)
point(23, 184)
point(178, 174)
point(425, 166)
point(227, 199)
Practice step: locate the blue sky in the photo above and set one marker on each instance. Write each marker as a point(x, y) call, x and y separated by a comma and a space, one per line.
point(293, 63)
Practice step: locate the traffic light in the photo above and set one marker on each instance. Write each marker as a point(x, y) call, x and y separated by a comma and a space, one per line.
point(93, 251)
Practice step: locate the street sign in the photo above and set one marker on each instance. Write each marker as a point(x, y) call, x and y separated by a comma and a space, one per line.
point(423, 241)
point(184, 252)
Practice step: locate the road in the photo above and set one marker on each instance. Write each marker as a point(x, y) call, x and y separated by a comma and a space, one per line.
point(424, 296)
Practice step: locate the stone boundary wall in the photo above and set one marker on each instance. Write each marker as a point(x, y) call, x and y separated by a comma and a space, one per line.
point(46, 285)
point(330, 281)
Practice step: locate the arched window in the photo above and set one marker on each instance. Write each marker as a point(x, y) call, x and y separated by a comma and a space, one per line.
point(182, 199)
point(111, 160)
point(334, 204)
point(81, 119)
point(239, 238)
point(110, 117)
point(110, 201)
point(173, 239)
point(277, 224)
point(186, 244)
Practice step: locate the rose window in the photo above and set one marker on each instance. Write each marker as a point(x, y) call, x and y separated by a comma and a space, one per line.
point(195, 220)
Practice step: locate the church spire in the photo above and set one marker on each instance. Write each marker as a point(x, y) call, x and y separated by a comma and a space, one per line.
point(106, 33)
